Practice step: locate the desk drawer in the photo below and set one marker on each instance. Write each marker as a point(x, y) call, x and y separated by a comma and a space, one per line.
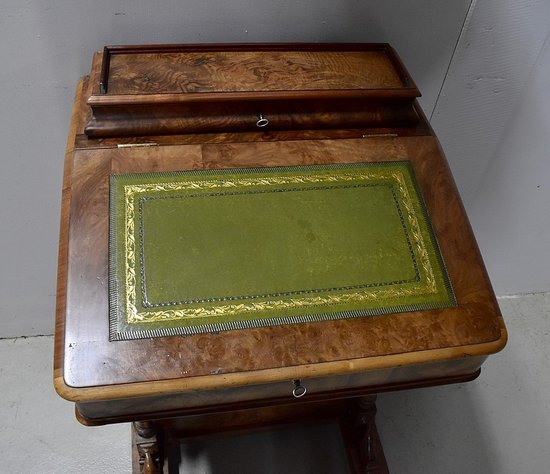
point(252, 396)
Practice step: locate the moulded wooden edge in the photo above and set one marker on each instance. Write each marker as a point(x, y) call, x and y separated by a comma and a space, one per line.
point(261, 46)
point(258, 377)
point(280, 401)
point(109, 50)
point(96, 101)
point(59, 339)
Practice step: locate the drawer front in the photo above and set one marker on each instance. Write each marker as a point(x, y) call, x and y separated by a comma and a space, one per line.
point(247, 115)
point(280, 393)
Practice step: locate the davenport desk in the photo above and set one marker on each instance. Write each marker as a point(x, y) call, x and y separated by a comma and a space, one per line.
point(256, 235)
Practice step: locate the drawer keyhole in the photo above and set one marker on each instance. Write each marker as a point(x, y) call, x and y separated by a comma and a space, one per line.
point(262, 122)
point(299, 389)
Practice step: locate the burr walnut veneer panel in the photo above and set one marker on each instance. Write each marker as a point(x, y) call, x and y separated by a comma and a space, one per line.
point(159, 377)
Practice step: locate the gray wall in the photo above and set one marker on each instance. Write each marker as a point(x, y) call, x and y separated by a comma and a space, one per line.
point(45, 45)
point(493, 120)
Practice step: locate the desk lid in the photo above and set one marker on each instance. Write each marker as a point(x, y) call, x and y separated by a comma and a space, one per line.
point(214, 250)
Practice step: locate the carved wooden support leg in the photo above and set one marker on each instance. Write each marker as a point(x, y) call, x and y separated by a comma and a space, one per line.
point(363, 444)
point(147, 449)
point(145, 429)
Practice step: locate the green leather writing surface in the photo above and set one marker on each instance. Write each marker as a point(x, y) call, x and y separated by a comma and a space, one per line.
point(205, 251)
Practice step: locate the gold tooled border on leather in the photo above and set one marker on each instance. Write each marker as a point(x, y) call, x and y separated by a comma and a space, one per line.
point(268, 176)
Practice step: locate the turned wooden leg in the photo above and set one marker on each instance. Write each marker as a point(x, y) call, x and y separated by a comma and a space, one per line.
point(145, 429)
point(144, 439)
point(365, 452)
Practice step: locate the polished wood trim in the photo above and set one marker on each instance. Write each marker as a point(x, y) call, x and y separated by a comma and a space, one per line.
point(85, 142)
point(327, 369)
point(259, 46)
point(98, 101)
point(63, 250)
point(241, 116)
point(310, 398)
point(110, 50)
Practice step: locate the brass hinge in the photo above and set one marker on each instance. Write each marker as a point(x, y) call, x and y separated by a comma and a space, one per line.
point(135, 145)
point(374, 135)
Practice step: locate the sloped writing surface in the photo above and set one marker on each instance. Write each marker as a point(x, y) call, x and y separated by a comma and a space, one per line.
point(204, 251)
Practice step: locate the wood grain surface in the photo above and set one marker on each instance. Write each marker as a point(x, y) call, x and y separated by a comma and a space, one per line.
point(250, 71)
point(474, 321)
point(171, 373)
point(186, 89)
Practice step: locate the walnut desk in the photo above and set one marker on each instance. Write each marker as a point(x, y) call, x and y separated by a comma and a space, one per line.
point(205, 110)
